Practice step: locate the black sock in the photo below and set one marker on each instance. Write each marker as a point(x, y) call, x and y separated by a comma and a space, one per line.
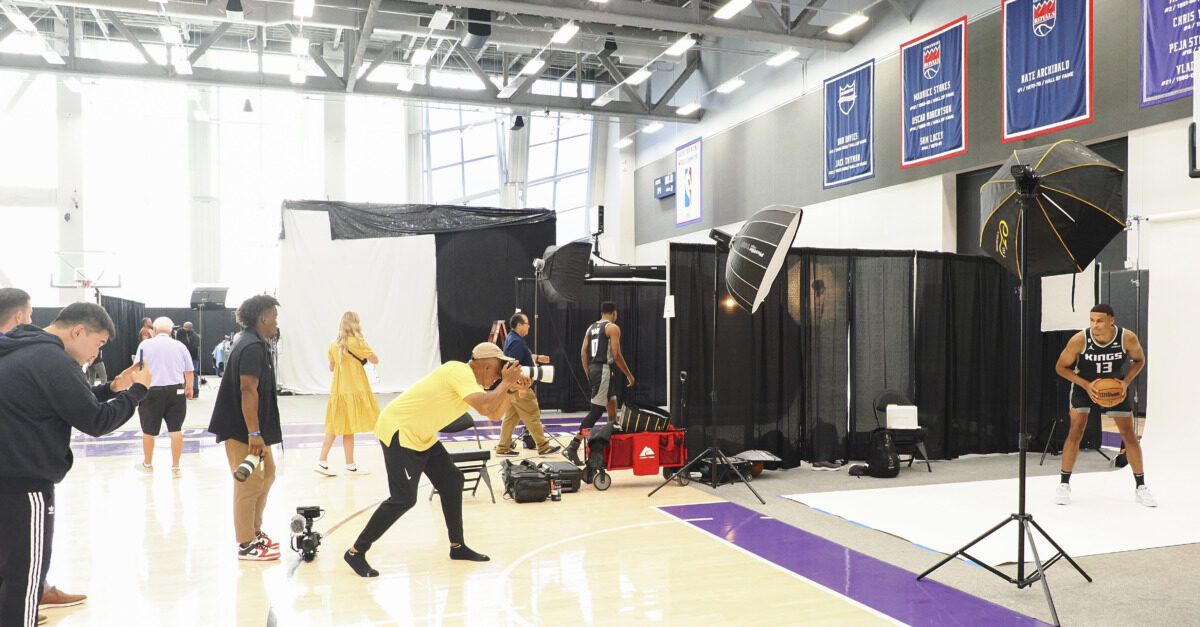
point(1140, 480)
point(1064, 476)
point(461, 552)
point(358, 561)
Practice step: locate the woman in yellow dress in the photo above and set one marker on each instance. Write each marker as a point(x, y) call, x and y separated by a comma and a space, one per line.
point(352, 407)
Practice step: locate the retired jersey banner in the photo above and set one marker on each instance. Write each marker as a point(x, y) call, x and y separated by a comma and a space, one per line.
point(688, 162)
point(1047, 60)
point(849, 122)
point(1170, 35)
point(933, 95)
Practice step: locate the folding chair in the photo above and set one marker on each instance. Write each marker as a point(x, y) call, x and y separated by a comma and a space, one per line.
point(470, 461)
point(907, 434)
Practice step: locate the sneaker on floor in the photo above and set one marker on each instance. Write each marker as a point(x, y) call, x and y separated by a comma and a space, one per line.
point(1144, 496)
point(554, 448)
point(257, 551)
point(357, 470)
point(508, 453)
point(1062, 494)
point(176, 472)
point(142, 467)
point(53, 597)
point(324, 470)
point(271, 544)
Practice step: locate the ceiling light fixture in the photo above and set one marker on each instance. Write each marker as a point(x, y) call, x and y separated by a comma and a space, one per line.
point(441, 19)
point(783, 57)
point(688, 108)
point(565, 33)
point(603, 99)
point(421, 56)
point(171, 35)
point(847, 24)
point(534, 66)
point(638, 77)
point(299, 46)
point(52, 57)
point(303, 8)
point(681, 46)
point(234, 11)
point(405, 84)
point(731, 8)
point(730, 85)
point(624, 142)
point(652, 128)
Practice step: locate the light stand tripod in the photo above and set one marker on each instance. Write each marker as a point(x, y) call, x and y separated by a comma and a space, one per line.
point(713, 455)
point(1027, 188)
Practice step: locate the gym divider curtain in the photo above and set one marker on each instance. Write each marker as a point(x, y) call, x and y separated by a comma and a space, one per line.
point(841, 326)
point(562, 325)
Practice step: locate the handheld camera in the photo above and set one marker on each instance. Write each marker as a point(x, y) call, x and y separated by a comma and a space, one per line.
point(538, 373)
point(305, 541)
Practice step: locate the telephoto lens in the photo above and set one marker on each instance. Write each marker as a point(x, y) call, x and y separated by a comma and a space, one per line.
point(540, 374)
point(246, 467)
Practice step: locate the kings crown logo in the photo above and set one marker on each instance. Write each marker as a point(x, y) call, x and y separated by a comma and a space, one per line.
point(1044, 14)
point(931, 59)
point(847, 94)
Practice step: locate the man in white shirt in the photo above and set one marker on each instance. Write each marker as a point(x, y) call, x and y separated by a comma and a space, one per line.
point(170, 388)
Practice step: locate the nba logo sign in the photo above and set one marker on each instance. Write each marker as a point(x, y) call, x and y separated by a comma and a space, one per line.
point(931, 59)
point(847, 94)
point(1043, 16)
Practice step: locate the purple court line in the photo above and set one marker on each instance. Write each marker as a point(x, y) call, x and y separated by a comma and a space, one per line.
point(880, 586)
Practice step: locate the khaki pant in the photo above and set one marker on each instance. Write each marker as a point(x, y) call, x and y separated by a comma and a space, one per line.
point(523, 408)
point(249, 496)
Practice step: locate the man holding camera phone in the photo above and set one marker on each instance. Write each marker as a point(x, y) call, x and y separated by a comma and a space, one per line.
point(408, 429)
point(246, 418)
point(43, 394)
point(523, 406)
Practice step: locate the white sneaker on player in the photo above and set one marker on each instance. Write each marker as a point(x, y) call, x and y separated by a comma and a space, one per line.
point(1144, 496)
point(1062, 494)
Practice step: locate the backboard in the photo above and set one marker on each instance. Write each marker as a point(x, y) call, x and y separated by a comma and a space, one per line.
point(84, 268)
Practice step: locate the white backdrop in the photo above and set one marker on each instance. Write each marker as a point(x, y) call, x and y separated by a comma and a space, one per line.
point(390, 282)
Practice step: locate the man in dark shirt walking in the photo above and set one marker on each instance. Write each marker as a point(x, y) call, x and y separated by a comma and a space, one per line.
point(43, 394)
point(246, 418)
point(524, 404)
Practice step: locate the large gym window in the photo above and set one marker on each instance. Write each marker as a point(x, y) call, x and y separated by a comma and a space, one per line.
point(560, 147)
point(462, 155)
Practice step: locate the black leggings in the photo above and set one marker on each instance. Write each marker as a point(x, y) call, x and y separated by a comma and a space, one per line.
point(404, 469)
point(593, 415)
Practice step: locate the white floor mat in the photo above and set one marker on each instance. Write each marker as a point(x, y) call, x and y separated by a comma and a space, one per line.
point(1102, 517)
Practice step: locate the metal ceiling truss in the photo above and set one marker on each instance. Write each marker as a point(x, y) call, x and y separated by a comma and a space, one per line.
point(357, 37)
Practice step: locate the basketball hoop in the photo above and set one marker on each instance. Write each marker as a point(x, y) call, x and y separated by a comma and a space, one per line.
point(84, 283)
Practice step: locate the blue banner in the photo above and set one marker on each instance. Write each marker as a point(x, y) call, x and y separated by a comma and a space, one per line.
point(1047, 66)
point(849, 124)
point(933, 95)
point(1170, 36)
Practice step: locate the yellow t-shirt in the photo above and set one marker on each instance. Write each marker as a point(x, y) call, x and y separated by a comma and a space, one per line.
point(432, 403)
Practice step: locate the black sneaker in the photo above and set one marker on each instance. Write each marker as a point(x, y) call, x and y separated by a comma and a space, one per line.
point(461, 552)
point(508, 453)
point(554, 448)
point(358, 561)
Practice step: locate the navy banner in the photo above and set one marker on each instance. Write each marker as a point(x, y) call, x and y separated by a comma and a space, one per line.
point(1170, 36)
point(849, 125)
point(1047, 61)
point(933, 95)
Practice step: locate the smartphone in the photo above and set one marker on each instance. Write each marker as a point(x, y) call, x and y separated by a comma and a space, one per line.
point(141, 359)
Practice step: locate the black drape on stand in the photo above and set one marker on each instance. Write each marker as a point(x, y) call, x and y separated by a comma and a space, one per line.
point(127, 315)
point(561, 327)
point(841, 326)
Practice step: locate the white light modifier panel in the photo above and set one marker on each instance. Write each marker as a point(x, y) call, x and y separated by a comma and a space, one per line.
point(902, 417)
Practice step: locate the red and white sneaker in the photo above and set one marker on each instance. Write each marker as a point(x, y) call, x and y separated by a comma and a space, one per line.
point(257, 551)
point(271, 544)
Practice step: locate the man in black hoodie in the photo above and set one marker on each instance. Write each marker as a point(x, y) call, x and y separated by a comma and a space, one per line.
point(43, 393)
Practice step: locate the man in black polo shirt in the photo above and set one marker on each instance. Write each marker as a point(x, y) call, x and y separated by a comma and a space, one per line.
point(43, 394)
point(246, 418)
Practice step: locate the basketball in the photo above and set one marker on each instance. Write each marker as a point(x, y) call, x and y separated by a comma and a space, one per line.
point(1109, 392)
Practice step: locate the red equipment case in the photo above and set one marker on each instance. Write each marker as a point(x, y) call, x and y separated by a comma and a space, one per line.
point(645, 453)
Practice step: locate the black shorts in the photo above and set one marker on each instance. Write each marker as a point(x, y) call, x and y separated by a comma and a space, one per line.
point(1081, 402)
point(167, 402)
point(605, 382)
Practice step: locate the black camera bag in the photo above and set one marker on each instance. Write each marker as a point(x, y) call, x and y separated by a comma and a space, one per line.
point(524, 482)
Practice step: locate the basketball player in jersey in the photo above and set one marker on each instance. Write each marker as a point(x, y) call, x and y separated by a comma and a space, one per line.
point(601, 349)
point(1102, 351)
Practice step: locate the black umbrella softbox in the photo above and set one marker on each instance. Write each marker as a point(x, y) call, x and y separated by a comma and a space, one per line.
point(757, 253)
point(565, 268)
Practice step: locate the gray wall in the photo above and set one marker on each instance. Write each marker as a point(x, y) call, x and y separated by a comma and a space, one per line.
point(777, 157)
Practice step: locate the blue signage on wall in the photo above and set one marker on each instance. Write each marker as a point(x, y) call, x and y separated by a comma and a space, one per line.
point(933, 95)
point(1170, 36)
point(849, 123)
point(1047, 61)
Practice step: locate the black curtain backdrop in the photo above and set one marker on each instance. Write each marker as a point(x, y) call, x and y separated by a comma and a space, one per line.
point(561, 327)
point(475, 270)
point(127, 315)
point(839, 327)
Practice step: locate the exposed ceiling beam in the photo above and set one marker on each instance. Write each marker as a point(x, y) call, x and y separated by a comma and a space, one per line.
point(903, 9)
point(208, 42)
point(380, 58)
point(618, 77)
point(483, 77)
point(360, 51)
point(6, 30)
point(524, 82)
point(334, 85)
point(100, 22)
point(314, 51)
point(132, 39)
point(651, 16)
point(772, 16)
point(693, 63)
